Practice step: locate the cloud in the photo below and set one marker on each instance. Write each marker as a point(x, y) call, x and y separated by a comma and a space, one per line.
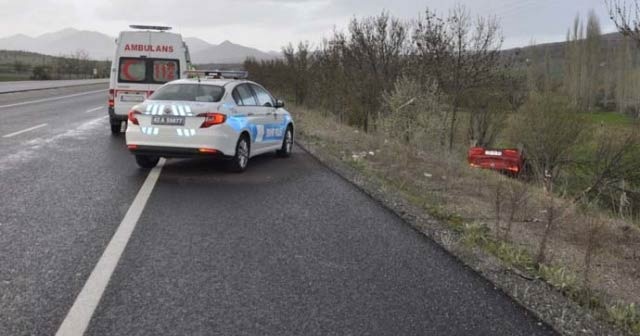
point(208, 13)
point(269, 24)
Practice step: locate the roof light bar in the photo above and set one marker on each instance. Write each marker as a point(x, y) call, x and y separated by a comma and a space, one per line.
point(160, 28)
point(214, 74)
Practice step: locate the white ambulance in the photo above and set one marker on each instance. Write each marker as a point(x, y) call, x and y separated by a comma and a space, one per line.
point(145, 59)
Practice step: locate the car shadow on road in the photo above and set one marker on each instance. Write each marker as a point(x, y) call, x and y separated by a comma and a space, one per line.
point(266, 168)
point(211, 165)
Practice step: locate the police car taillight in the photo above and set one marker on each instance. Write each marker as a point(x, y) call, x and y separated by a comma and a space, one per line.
point(132, 117)
point(211, 119)
point(111, 97)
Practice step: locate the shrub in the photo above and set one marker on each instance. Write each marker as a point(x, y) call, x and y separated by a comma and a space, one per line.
point(413, 114)
point(41, 72)
point(548, 128)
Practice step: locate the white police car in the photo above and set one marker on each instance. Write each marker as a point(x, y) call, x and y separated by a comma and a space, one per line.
point(216, 115)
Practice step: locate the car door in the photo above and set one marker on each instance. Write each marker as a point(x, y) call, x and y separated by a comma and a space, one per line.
point(273, 128)
point(256, 118)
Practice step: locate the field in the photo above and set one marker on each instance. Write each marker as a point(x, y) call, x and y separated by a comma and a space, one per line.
point(21, 65)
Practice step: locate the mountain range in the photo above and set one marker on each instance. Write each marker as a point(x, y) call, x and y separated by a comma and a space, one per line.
point(100, 46)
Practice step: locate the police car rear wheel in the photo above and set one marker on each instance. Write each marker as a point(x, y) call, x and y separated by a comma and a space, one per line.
point(147, 161)
point(241, 159)
point(287, 143)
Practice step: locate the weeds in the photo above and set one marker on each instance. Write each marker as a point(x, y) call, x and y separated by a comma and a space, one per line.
point(626, 316)
point(560, 278)
point(512, 255)
point(456, 222)
point(475, 234)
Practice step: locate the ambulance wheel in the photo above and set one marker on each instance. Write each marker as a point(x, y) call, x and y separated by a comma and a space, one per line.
point(240, 160)
point(147, 161)
point(115, 126)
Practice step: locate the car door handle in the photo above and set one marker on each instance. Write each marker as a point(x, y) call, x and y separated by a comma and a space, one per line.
point(268, 113)
point(250, 113)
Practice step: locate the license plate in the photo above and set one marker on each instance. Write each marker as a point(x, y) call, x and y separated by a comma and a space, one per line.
point(170, 121)
point(493, 153)
point(132, 98)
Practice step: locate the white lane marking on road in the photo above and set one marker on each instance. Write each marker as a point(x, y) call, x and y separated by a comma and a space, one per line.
point(79, 316)
point(52, 99)
point(93, 109)
point(24, 131)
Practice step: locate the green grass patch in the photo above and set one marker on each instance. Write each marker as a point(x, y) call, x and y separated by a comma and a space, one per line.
point(8, 77)
point(512, 255)
point(626, 316)
point(609, 119)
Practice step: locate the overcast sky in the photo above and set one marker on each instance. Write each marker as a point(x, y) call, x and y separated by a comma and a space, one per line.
point(269, 24)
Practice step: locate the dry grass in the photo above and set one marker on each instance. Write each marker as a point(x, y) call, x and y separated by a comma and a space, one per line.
point(444, 186)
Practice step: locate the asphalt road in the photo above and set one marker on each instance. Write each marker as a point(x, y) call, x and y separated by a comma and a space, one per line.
point(287, 248)
point(40, 85)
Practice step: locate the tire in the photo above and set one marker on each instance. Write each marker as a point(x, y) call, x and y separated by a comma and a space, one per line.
point(240, 160)
point(287, 143)
point(147, 161)
point(115, 128)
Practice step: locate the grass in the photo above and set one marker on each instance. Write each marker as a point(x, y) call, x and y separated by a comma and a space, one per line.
point(609, 118)
point(512, 255)
point(626, 316)
point(6, 77)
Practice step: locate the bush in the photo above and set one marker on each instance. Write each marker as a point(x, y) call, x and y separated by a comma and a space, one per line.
point(626, 316)
point(41, 72)
point(548, 128)
point(413, 114)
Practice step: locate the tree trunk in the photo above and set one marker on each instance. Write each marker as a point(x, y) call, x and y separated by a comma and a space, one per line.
point(452, 126)
point(541, 258)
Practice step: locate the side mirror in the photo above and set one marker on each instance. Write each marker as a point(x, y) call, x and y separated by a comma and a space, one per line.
point(279, 103)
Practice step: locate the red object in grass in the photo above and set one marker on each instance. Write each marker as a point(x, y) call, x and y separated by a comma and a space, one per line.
point(508, 160)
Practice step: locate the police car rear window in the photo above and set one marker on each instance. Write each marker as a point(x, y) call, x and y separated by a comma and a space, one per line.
point(189, 92)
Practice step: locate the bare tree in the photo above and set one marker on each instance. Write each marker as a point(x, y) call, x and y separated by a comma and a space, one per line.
point(626, 16)
point(298, 68)
point(551, 209)
point(488, 109)
point(614, 161)
point(583, 62)
point(514, 87)
point(459, 53)
point(371, 55)
point(593, 244)
point(625, 80)
point(517, 198)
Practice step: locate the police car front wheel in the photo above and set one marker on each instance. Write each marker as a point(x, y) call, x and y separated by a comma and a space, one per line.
point(287, 143)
